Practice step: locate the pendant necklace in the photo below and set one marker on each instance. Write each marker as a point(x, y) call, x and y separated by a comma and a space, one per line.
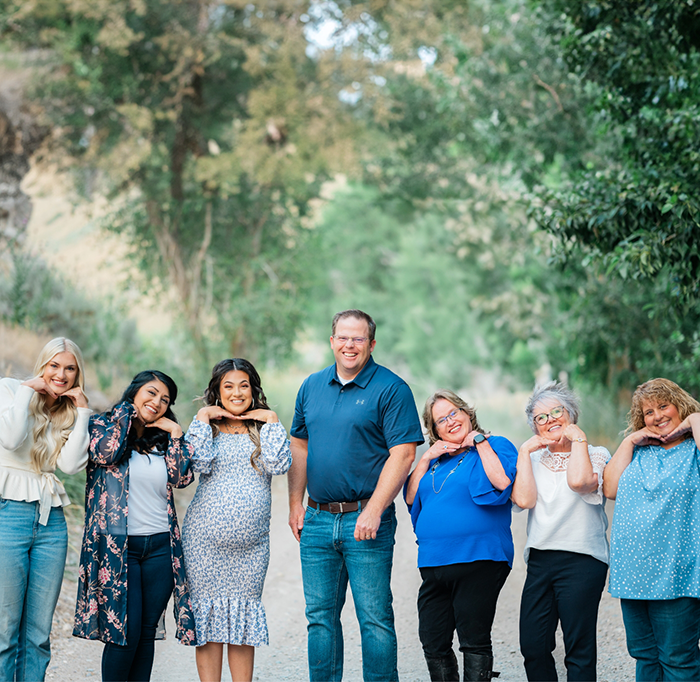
point(435, 466)
point(233, 429)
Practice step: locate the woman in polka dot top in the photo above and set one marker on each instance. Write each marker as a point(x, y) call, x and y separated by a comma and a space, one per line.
point(655, 541)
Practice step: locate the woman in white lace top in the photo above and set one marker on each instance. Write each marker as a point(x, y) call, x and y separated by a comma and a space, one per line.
point(559, 479)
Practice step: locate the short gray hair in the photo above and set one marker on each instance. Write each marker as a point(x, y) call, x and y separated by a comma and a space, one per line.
point(554, 390)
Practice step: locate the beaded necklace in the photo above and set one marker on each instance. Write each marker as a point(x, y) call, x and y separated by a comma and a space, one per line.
point(435, 466)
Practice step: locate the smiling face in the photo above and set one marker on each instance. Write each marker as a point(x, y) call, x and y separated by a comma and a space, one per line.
point(457, 424)
point(61, 372)
point(554, 427)
point(236, 392)
point(350, 356)
point(151, 401)
point(660, 418)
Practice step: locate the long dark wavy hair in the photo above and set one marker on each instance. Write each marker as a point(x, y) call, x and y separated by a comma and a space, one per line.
point(212, 396)
point(154, 441)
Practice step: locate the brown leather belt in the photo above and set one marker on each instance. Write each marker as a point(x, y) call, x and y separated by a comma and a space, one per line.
point(338, 507)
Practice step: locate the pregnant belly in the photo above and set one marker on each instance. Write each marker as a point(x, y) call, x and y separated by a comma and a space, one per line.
point(227, 525)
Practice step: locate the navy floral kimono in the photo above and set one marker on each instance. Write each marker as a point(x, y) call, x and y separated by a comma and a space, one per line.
point(100, 612)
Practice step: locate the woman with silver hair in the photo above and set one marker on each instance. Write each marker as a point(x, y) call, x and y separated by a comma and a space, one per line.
point(560, 479)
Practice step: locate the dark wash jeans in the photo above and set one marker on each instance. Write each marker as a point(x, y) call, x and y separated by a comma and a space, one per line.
point(461, 597)
point(150, 583)
point(561, 587)
point(662, 635)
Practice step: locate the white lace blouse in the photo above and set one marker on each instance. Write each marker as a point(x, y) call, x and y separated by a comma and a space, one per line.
point(563, 519)
point(18, 480)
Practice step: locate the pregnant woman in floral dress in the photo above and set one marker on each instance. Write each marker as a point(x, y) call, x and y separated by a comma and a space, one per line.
point(239, 445)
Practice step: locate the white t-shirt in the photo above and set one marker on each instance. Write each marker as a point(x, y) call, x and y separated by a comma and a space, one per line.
point(563, 519)
point(148, 495)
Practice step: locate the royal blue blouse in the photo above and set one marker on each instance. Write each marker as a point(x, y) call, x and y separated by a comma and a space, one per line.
point(457, 514)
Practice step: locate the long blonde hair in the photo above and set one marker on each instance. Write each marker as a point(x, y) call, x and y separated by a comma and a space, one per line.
point(47, 442)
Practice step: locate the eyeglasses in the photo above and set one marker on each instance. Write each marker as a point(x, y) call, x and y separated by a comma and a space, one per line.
point(452, 415)
point(555, 413)
point(357, 340)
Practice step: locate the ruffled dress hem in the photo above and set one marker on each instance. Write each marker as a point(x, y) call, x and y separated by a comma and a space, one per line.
point(230, 621)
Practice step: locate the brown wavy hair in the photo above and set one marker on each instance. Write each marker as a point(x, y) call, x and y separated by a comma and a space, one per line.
point(656, 392)
point(451, 397)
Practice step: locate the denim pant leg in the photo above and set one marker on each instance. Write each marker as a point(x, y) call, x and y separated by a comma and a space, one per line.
point(325, 580)
point(157, 584)
point(369, 565)
point(662, 635)
point(150, 584)
point(32, 560)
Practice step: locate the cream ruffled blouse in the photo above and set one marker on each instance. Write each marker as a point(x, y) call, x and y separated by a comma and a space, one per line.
point(18, 480)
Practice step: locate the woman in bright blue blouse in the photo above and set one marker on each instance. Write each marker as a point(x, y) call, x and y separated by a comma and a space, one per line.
point(655, 541)
point(459, 499)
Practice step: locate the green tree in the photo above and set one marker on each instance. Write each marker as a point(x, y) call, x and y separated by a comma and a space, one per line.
point(211, 129)
point(635, 209)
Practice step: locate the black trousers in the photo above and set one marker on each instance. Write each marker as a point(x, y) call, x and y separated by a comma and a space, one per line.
point(150, 583)
point(561, 587)
point(461, 597)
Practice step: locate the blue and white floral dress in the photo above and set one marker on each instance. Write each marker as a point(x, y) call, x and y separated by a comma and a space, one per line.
point(226, 532)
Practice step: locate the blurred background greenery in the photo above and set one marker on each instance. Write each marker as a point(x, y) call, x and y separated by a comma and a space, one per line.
point(507, 187)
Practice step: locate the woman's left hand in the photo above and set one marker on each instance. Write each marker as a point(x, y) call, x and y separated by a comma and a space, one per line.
point(468, 441)
point(260, 415)
point(167, 425)
point(573, 433)
point(684, 427)
point(77, 396)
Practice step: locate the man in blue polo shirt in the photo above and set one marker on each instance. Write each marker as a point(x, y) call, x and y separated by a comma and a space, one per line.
point(354, 440)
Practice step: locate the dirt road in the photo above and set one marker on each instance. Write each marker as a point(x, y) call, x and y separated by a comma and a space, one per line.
point(285, 658)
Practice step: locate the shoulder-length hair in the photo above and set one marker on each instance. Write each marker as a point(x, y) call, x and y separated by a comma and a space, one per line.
point(48, 442)
point(153, 440)
point(212, 396)
point(556, 391)
point(656, 392)
point(451, 397)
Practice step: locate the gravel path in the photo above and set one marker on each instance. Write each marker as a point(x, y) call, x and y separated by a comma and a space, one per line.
point(285, 659)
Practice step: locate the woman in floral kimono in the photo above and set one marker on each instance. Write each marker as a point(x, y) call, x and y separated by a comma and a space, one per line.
point(131, 559)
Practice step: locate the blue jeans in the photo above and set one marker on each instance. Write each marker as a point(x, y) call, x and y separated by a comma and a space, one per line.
point(662, 635)
point(330, 557)
point(32, 559)
point(150, 583)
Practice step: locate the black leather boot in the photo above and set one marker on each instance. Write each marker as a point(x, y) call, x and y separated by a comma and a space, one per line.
point(443, 669)
point(478, 668)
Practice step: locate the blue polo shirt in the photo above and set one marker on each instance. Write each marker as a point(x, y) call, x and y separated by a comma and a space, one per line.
point(350, 429)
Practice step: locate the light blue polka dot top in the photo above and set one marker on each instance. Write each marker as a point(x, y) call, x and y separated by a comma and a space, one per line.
point(655, 539)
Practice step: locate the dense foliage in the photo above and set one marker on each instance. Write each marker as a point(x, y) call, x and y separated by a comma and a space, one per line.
point(637, 207)
point(521, 173)
point(208, 125)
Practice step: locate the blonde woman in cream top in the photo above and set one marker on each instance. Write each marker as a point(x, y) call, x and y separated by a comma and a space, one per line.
point(43, 426)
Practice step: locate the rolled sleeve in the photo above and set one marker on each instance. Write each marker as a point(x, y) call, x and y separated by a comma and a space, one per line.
point(481, 489)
